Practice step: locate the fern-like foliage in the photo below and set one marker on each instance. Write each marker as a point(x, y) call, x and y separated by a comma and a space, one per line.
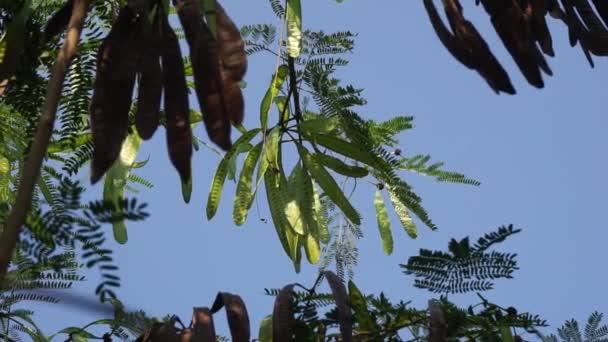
point(571, 331)
point(464, 268)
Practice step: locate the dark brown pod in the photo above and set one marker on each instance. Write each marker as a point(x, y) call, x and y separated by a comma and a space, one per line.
point(150, 84)
point(202, 323)
point(236, 312)
point(177, 109)
point(204, 55)
point(233, 64)
point(112, 92)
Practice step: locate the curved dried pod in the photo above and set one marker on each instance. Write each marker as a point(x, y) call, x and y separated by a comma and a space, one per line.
point(177, 109)
point(58, 21)
point(341, 298)
point(236, 312)
point(202, 325)
point(150, 83)
point(206, 71)
point(282, 315)
point(186, 335)
point(233, 64)
point(165, 333)
point(438, 327)
point(117, 61)
point(469, 47)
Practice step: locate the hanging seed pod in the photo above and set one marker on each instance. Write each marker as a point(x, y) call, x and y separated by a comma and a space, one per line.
point(233, 64)
point(150, 82)
point(205, 68)
point(112, 92)
point(177, 109)
point(202, 323)
point(236, 312)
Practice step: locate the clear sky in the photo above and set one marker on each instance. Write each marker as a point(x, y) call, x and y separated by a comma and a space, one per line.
point(539, 155)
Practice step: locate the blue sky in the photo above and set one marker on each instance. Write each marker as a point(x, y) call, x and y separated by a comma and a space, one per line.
point(539, 156)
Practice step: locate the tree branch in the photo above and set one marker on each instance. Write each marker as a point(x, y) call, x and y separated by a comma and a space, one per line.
point(34, 159)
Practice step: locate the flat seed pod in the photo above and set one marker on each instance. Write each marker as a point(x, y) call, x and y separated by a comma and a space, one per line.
point(341, 298)
point(150, 84)
point(232, 47)
point(112, 92)
point(282, 315)
point(206, 71)
point(177, 109)
point(202, 322)
point(238, 319)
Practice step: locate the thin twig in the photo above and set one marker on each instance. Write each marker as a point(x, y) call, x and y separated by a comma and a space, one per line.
point(31, 170)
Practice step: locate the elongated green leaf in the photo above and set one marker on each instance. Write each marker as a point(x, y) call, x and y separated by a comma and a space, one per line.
point(404, 216)
point(329, 185)
point(507, 335)
point(244, 148)
point(282, 107)
point(244, 196)
point(11, 44)
point(116, 180)
point(265, 334)
point(342, 147)
point(313, 249)
point(294, 27)
point(320, 125)
point(320, 217)
point(270, 154)
point(210, 16)
point(273, 89)
point(292, 209)
point(341, 167)
point(217, 185)
point(68, 145)
point(5, 166)
point(276, 205)
point(359, 306)
point(384, 223)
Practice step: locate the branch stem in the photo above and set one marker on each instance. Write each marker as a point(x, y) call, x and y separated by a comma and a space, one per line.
point(34, 159)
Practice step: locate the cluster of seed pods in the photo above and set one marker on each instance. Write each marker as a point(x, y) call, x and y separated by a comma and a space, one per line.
point(142, 48)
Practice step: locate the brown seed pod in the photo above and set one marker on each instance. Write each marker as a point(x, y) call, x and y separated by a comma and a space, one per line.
point(177, 109)
point(206, 71)
point(233, 63)
point(150, 84)
point(238, 319)
point(202, 322)
point(282, 315)
point(112, 92)
point(341, 298)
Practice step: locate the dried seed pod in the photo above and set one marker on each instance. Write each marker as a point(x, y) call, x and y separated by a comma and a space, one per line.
point(150, 84)
point(202, 322)
point(282, 315)
point(238, 319)
point(177, 109)
point(233, 63)
point(204, 56)
point(341, 297)
point(112, 93)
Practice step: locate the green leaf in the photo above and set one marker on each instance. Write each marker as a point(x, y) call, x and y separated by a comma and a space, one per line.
point(507, 335)
point(404, 215)
point(384, 223)
point(69, 145)
point(232, 162)
point(273, 89)
point(11, 44)
point(116, 180)
point(320, 217)
point(77, 331)
point(244, 197)
point(5, 165)
point(342, 147)
point(359, 306)
point(320, 125)
point(215, 193)
point(271, 153)
point(294, 27)
point(210, 17)
point(292, 209)
point(312, 248)
point(282, 108)
point(265, 334)
point(329, 185)
point(341, 167)
point(276, 205)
